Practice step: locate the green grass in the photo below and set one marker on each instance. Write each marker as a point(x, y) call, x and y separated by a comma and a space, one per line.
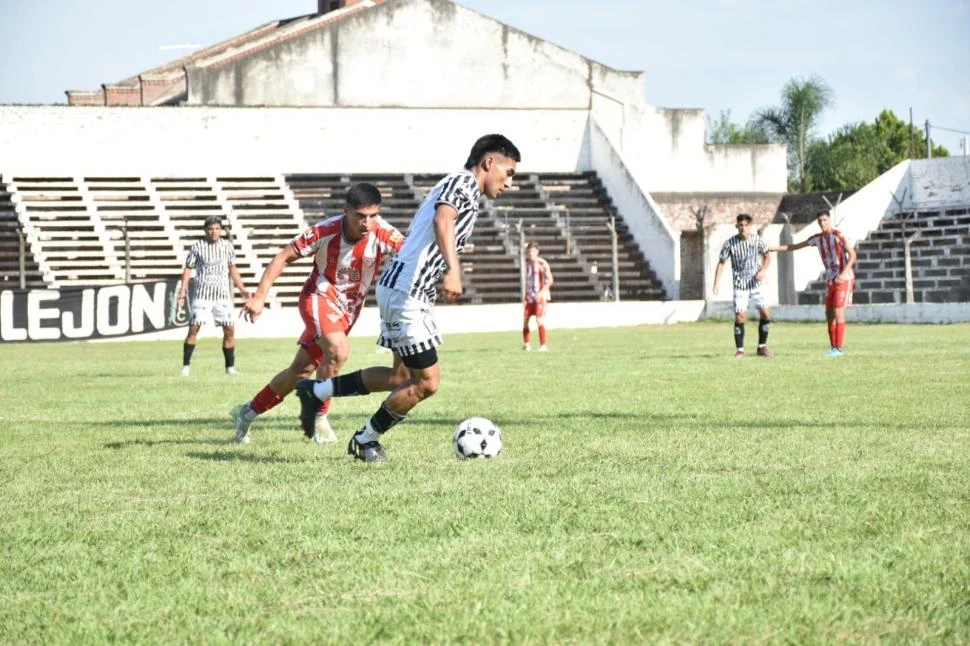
point(652, 489)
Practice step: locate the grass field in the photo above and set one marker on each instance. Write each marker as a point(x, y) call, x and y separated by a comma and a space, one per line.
point(652, 489)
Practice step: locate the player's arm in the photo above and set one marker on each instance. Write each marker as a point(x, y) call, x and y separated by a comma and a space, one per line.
point(547, 277)
point(254, 306)
point(765, 263)
point(850, 263)
point(183, 287)
point(790, 247)
point(445, 216)
point(717, 276)
point(238, 281)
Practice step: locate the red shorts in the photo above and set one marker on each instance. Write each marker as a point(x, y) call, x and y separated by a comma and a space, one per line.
point(321, 316)
point(839, 295)
point(535, 309)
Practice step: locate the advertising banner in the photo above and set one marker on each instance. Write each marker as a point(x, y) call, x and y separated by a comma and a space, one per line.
point(81, 313)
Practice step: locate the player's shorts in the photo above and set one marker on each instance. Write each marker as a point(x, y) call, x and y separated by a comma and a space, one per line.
point(407, 324)
point(221, 312)
point(321, 316)
point(839, 295)
point(536, 309)
point(745, 297)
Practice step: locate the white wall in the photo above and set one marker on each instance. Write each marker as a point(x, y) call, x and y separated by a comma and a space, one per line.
point(207, 141)
point(939, 182)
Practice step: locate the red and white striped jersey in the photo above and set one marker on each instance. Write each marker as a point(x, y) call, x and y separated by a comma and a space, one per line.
point(343, 271)
point(536, 280)
point(834, 249)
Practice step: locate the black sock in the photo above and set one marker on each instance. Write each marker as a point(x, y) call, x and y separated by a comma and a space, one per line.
point(739, 336)
point(383, 420)
point(187, 351)
point(763, 326)
point(349, 385)
point(230, 356)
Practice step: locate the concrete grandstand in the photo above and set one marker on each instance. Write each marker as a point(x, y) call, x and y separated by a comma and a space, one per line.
point(267, 128)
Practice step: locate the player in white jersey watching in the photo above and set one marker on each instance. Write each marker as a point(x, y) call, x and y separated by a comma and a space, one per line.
point(406, 293)
point(749, 263)
point(214, 260)
point(347, 252)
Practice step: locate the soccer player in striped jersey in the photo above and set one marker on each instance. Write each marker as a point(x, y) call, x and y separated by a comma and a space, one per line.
point(838, 257)
point(347, 252)
point(538, 280)
point(406, 293)
point(749, 263)
point(214, 260)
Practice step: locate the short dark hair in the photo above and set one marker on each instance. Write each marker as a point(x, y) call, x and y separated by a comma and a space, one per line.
point(491, 144)
point(743, 217)
point(363, 194)
point(532, 244)
point(821, 213)
point(212, 219)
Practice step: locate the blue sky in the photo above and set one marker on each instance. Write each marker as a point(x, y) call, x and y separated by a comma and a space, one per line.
point(717, 55)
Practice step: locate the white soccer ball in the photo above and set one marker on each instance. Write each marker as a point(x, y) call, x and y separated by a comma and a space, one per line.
point(477, 437)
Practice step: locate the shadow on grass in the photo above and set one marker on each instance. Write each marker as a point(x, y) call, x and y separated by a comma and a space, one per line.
point(241, 456)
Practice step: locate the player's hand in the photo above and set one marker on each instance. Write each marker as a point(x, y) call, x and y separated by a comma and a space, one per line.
point(451, 287)
point(544, 294)
point(252, 308)
point(714, 289)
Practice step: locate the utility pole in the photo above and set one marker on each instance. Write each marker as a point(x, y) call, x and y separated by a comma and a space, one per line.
point(929, 145)
point(912, 135)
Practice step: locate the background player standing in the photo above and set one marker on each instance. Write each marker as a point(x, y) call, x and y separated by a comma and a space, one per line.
point(749, 262)
point(838, 256)
point(214, 260)
point(538, 281)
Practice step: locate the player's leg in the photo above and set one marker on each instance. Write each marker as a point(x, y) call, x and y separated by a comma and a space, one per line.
point(740, 318)
point(540, 310)
point(764, 323)
point(831, 319)
point(302, 366)
point(842, 298)
point(223, 315)
point(188, 347)
point(335, 351)
point(526, 333)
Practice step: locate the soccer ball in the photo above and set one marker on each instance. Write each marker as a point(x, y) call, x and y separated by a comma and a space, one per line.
point(477, 437)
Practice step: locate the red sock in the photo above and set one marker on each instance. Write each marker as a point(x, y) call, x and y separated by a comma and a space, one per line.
point(325, 406)
point(264, 400)
point(839, 334)
point(832, 333)
point(542, 335)
point(526, 335)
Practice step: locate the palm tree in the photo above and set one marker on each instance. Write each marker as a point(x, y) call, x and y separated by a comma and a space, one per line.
point(802, 103)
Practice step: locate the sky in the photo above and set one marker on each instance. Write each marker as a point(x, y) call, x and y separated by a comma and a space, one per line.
point(719, 55)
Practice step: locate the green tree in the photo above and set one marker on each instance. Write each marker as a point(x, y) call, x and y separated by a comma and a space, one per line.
point(858, 153)
point(724, 131)
point(802, 103)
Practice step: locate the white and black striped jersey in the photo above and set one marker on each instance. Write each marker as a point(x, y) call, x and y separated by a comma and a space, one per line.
point(419, 264)
point(211, 262)
point(747, 258)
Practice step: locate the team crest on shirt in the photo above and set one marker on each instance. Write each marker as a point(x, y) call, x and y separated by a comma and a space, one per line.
point(348, 275)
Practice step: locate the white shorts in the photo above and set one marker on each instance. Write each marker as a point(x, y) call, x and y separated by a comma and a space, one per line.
point(743, 296)
point(220, 311)
point(407, 324)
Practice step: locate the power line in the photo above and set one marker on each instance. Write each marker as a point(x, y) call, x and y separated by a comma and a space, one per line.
point(962, 132)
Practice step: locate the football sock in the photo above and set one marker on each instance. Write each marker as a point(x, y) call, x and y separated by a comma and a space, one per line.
point(542, 335)
point(839, 334)
point(380, 422)
point(349, 385)
point(230, 356)
point(763, 326)
point(832, 334)
point(526, 334)
point(739, 336)
point(187, 350)
point(323, 390)
point(264, 400)
point(325, 406)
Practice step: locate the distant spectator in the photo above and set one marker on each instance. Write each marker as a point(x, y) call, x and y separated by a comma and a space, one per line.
point(749, 262)
point(538, 280)
point(214, 261)
point(838, 256)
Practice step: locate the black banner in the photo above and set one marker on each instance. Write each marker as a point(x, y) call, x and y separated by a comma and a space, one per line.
point(90, 312)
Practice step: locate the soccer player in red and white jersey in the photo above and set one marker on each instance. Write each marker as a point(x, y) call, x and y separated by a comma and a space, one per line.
point(347, 251)
point(838, 256)
point(538, 280)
